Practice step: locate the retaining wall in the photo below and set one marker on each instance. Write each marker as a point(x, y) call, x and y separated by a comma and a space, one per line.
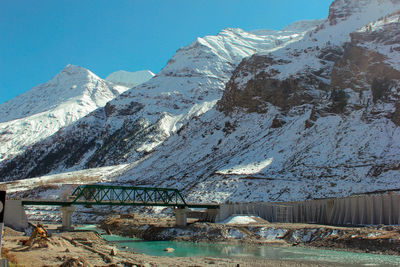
point(14, 215)
point(354, 210)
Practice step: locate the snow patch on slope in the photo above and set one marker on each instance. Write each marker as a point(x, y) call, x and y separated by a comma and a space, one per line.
point(96, 175)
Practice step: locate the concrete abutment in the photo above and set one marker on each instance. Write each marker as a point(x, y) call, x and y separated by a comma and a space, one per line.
point(14, 215)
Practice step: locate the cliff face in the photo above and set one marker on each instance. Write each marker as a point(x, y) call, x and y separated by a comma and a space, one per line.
point(265, 87)
point(365, 64)
point(341, 10)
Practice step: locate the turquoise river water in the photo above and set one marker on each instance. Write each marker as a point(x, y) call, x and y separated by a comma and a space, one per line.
point(189, 249)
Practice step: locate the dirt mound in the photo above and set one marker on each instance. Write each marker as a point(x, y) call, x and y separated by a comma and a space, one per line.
point(10, 232)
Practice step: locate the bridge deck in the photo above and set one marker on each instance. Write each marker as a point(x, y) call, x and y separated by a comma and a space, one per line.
point(114, 195)
point(46, 202)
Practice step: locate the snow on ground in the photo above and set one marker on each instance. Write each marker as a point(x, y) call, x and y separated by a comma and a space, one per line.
point(59, 187)
point(271, 233)
point(247, 168)
point(239, 219)
point(242, 158)
point(88, 176)
point(235, 233)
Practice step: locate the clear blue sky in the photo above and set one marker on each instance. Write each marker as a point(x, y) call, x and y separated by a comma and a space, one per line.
point(39, 37)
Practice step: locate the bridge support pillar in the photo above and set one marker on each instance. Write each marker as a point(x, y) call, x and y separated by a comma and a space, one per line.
point(181, 216)
point(14, 215)
point(212, 214)
point(66, 214)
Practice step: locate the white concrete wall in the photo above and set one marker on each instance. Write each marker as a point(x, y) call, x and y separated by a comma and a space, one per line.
point(356, 210)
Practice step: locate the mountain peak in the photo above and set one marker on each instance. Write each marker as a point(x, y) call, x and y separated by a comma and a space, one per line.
point(71, 67)
point(73, 82)
point(130, 79)
point(303, 25)
point(40, 112)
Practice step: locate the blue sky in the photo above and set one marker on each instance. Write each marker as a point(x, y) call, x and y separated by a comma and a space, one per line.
point(39, 37)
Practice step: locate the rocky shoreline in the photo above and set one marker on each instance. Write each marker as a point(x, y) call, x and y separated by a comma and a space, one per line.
point(377, 240)
point(90, 249)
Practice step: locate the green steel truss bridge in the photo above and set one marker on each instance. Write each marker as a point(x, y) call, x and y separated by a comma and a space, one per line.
point(122, 196)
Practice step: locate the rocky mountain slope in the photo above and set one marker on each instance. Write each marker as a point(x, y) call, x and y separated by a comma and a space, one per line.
point(130, 126)
point(318, 118)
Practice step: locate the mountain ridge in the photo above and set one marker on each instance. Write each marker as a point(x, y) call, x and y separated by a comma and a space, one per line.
point(140, 119)
point(290, 122)
point(40, 112)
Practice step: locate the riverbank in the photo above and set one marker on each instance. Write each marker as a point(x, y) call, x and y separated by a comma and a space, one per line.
point(377, 240)
point(89, 249)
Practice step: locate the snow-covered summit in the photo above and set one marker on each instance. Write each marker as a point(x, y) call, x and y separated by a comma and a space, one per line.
point(130, 79)
point(43, 110)
point(73, 83)
point(216, 56)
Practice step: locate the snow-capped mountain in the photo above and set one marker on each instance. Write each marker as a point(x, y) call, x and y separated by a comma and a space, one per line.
point(313, 119)
point(138, 120)
point(300, 115)
point(73, 84)
point(43, 110)
point(70, 95)
point(130, 79)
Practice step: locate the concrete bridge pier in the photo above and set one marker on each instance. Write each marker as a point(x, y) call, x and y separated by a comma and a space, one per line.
point(66, 215)
point(212, 215)
point(14, 215)
point(181, 216)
